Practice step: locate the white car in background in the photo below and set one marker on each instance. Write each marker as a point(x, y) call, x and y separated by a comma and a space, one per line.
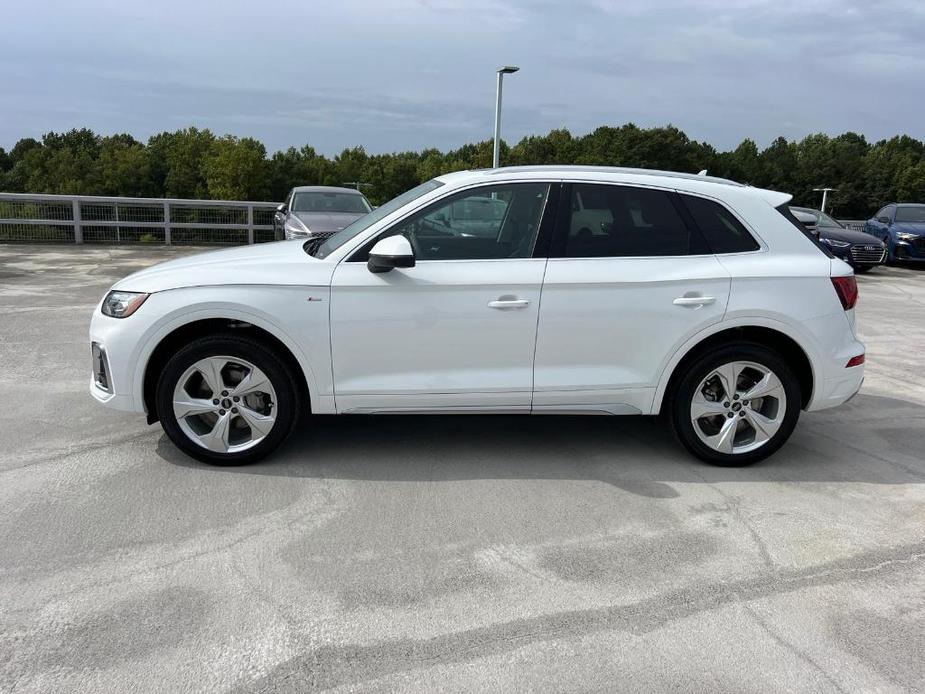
point(693, 296)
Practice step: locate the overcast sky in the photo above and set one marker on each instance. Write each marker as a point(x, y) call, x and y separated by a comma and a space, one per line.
point(407, 74)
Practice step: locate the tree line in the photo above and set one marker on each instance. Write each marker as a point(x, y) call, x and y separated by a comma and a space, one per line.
point(194, 163)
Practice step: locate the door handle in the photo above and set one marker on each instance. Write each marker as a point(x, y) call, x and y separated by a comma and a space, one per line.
point(694, 300)
point(509, 303)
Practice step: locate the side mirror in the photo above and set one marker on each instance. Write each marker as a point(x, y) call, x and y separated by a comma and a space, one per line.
point(281, 208)
point(883, 220)
point(391, 252)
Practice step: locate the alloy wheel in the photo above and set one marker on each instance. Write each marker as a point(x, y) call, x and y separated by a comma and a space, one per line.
point(738, 407)
point(225, 404)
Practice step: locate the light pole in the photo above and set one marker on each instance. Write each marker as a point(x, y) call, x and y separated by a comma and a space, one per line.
point(502, 71)
point(825, 192)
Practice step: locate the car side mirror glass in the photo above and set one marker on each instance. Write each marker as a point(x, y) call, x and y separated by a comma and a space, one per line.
point(883, 220)
point(390, 252)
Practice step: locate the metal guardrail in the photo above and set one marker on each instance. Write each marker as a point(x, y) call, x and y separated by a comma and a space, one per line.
point(28, 218)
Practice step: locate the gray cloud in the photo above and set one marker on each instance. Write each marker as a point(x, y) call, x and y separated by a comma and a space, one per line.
point(398, 74)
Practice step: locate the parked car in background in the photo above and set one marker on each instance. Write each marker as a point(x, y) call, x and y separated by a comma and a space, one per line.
point(901, 226)
point(861, 251)
point(312, 211)
point(700, 298)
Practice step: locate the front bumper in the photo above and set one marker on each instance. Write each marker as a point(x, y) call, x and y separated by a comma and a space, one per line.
point(911, 250)
point(860, 254)
point(113, 349)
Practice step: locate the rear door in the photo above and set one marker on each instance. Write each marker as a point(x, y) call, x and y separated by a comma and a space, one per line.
point(628, 281)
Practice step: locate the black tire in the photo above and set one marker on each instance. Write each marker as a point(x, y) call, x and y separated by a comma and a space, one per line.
point(681, 397)
point(287, 406)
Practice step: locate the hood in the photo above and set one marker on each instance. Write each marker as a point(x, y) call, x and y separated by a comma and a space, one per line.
point(848, 235)
point(281, 263)
point(327, 221)
point(909, 227)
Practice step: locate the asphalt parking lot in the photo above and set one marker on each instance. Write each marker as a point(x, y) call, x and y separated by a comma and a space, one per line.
point(448, 553)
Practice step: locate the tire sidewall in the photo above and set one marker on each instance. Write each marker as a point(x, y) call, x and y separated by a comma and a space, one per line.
point(286, 405)
point(681, 421)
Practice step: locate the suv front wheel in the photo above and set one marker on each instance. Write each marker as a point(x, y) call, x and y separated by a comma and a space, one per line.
point(736, 405)
point(227, 400)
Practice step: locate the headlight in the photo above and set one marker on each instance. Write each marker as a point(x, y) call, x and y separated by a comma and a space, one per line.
point(835, 243)
point(122, 304)
point(906, 236)
point(293, 228)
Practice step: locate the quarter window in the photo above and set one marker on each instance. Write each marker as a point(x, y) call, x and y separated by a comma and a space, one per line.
point(492, 222)
point(722, 231)
point(623, 221)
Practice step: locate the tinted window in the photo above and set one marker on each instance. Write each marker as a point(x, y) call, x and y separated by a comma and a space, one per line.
point(621, 221)
point(723, 232)
point(363, 223)
point(914, 214)
point(493, 222)
point(788, 215)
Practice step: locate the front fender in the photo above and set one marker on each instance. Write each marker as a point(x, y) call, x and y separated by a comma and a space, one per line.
point(301, 325)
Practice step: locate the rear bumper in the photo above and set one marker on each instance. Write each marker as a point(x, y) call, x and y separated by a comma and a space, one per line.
point(837, 391)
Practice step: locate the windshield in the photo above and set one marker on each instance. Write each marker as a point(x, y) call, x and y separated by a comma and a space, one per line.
point(913, 213)
point(826, 222)
point(318, 201)
point(334, 242)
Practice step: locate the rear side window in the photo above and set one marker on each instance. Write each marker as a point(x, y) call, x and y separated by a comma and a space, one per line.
point(788, 215)
point(723, 232)
point(623, 221)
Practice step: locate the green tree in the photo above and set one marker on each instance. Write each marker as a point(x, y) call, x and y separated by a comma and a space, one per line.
point(236, 169)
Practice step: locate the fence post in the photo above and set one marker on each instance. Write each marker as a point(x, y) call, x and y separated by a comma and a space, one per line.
point(118, 235)
point(78, 227)
point(166, 223)
point(250, 223)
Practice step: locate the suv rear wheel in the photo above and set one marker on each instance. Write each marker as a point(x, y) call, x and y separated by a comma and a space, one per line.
point(736, 405)
point(227, 400)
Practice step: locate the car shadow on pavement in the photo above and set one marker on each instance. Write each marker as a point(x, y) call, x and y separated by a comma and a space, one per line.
point(871, 439)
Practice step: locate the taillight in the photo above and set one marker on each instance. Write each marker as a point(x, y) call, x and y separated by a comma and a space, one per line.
point(855, 361)
point(847, 290)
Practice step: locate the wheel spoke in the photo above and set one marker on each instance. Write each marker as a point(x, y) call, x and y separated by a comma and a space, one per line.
point(729, 376)
point(211, 370)
point(769, 385)
point(764, 427)
point(723, 440)
point(187, 406)
point(254, 382)
point(260, 424)
point(701, 407)
point(217, 439)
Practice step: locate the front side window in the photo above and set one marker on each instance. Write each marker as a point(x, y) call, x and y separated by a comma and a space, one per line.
point(492, 222)
point(622, 221)
point(334, 242)
point(722, 231)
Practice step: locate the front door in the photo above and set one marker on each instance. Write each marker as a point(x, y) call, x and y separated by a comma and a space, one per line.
point(457, 331)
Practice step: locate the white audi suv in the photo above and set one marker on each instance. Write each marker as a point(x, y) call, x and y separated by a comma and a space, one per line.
point(586, 291)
